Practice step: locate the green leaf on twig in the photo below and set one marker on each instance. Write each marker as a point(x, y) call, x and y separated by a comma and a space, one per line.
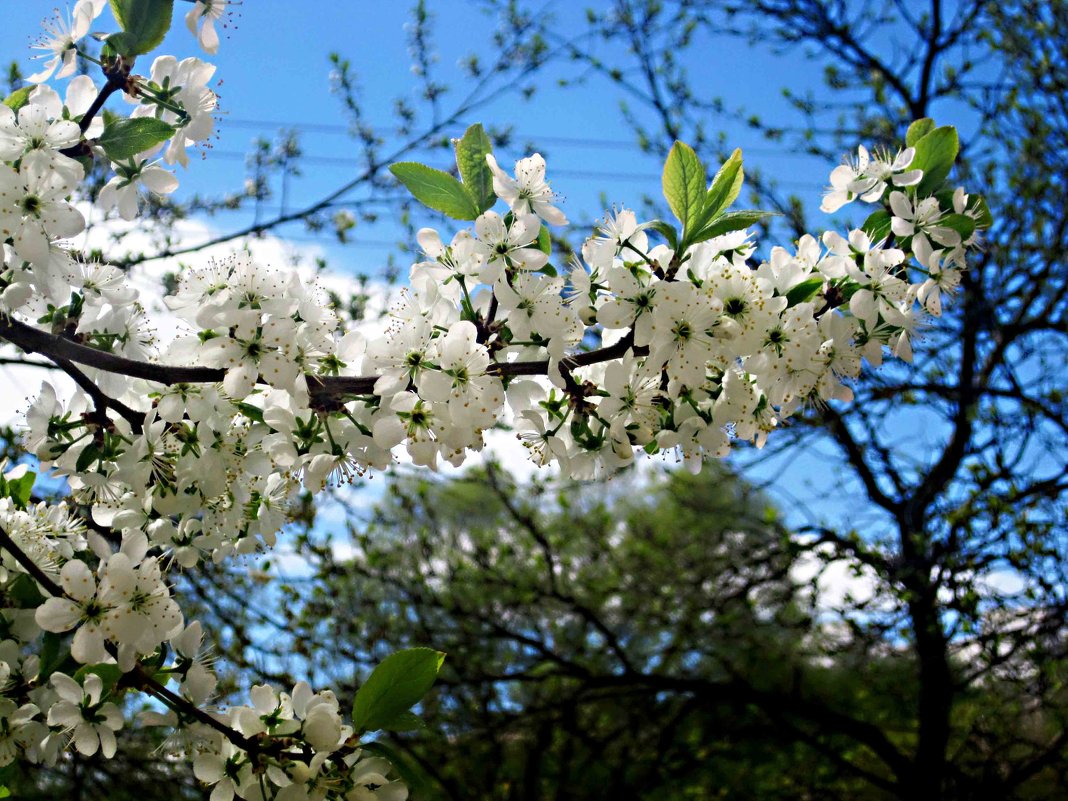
point(125, 138)
point(18, 489)
point(18, 98)
point(109, 675)
point(144, 23)
point(935, 154)
point(436, 189)
point(731, 221)
point(394, 687)
point(804, 291)
point(471, 151)
point(918, 130)
point(684, 183)
point(877, 226)
point(725, 188)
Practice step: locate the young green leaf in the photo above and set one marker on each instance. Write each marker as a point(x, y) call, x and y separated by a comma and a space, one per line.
point(126, 137)
point(684, 183)
point(935, 154)
point(144, 23)
point(436, 189)
point(804, 291)
point(253, 413)
point(18, 98)
point(961, 223)
point(394, 687)
point(983, 217)
point(18, 489)
point(725, 188)
point(471, 151)
point(90, 453)
point(52, 655)
point(406, 721)
point(667, 231)
point(918, 130)
point(976, 207)
point(877, 226)
point(544, 242)
point(731, 221)
point(24, 592)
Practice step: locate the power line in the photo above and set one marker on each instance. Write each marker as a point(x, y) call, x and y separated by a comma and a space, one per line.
point(597, 175)
point(565, 141)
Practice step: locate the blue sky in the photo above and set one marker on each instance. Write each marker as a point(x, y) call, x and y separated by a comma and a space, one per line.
point(273, 72)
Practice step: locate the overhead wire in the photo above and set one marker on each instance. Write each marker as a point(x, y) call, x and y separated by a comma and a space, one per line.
point(326, 161)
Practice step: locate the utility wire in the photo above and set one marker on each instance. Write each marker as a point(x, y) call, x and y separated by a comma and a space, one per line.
point(598, 175)
point(565, 141)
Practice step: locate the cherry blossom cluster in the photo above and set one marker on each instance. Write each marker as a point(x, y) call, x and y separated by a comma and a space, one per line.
point(652, 339)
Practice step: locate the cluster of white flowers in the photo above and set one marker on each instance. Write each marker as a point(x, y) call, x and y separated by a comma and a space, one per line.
point(195, 449)
point(298, 723)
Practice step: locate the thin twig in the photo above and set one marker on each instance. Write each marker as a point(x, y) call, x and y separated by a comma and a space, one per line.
point(143, 679)
point(101, 400)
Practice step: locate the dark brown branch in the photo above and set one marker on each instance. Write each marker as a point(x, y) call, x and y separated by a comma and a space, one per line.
point(30, 566)
point(100, 399)
point(323, 389)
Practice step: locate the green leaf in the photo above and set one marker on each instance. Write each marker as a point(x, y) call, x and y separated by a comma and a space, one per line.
point(109, 675)
point(88, 455)
point(804, 291)
point(725, 187)
point(877, 226)
point(935, 154)
point(731, 221)
point(395, 686)
point(436, 189)
point(471, 151)
point(18, 489)
point(144, 23)
point(125, 138)
point(918, 130)
point(51, 654)
point(21, 489)
point(253, 413)
point(18, 98)
point(976, 207)
point(24, 592)
point(545, 242)
point(983, 217)
point(405, 721)
point(667, 231)
point(684, 183)
point(961, 223)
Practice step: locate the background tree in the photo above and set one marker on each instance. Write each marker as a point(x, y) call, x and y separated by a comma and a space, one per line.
point(960, 465)
point(578, 618)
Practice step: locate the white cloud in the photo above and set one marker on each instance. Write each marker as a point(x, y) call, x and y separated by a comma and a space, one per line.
point(838, 583)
